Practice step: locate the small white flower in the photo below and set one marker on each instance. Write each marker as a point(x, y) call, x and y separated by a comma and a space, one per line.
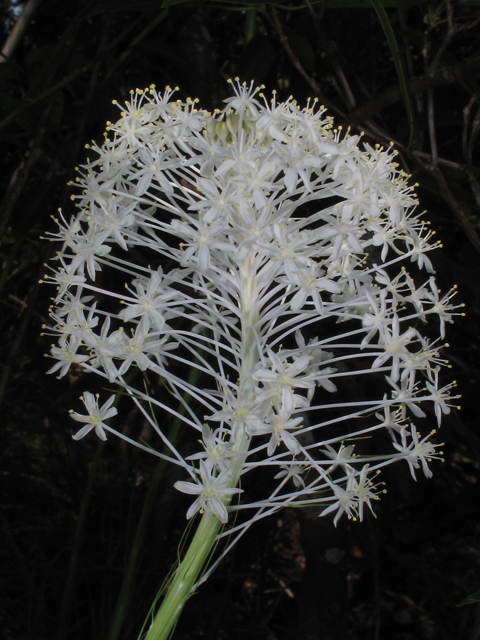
point(416, 452)
point(283, 378)
point(441, 396)
point(217, 453)
point(279, 425)
point(66, 354)
point(340, 457)
point(293, 471)
point(212, 492)
point(364, 490)
point(346, 501)
point(395, 348)
point(96, 416)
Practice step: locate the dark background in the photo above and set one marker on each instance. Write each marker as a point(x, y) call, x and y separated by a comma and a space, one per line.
point(86, 526)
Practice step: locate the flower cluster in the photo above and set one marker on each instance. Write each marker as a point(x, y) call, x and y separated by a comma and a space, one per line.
point(266, 252)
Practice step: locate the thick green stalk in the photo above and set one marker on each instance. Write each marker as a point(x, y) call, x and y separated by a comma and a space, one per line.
point(190, 568)
point(186, 575)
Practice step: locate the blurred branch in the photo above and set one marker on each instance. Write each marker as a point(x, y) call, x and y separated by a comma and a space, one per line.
point(449, 198)
point(141, 36)
point(22, 328)
point(431, 126)
point(22, 172)
point(29, 102)
point(80, 131)
point(401, 73)
point(332, 56)
point(468, 144)
point(298, 66)
point(474, 185)
point(442, 77)
point(18, 31)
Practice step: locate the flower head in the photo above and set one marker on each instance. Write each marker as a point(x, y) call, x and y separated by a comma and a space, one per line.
point(226, 241)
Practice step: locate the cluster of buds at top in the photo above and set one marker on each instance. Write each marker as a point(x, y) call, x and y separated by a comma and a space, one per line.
point(272, 255)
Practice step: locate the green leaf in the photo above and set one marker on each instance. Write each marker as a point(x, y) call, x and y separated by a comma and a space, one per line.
point(474, 597)
point(397, 59)
point(250, 25)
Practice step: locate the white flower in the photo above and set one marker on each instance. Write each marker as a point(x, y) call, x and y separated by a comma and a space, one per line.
point(395, 347)
point(243, 410)
point(393, 423)
point(441, 396)
point(363, 489)
point(293, 471)
point(217, 452)
point(96, 416)
point(65, 278)
point(405, 396)
point(346, 500)
point(87, 250)
point(66, 354)
point(380, 318)
point(117, 218)
point(311, 283)
point(283, 377)
point(105, 347)
point(419, 247)
point(135, 349)
point(441, 306)
point(416, 452)
point(212, 492)
point(340, 457)
point(150, 301)
point(279, 425)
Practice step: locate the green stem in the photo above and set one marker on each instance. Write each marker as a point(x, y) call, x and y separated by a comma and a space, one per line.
point(185, 577)
point(196, 558)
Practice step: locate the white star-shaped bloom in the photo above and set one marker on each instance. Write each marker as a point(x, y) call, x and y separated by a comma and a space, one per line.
point(212, 491)
point(96, 416)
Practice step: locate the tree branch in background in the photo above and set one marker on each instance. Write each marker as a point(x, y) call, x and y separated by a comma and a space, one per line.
point(442, 77)
point(298, 66)
point(449, 198)
point(18, 31)
point(22, 172)
point(333, 58)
